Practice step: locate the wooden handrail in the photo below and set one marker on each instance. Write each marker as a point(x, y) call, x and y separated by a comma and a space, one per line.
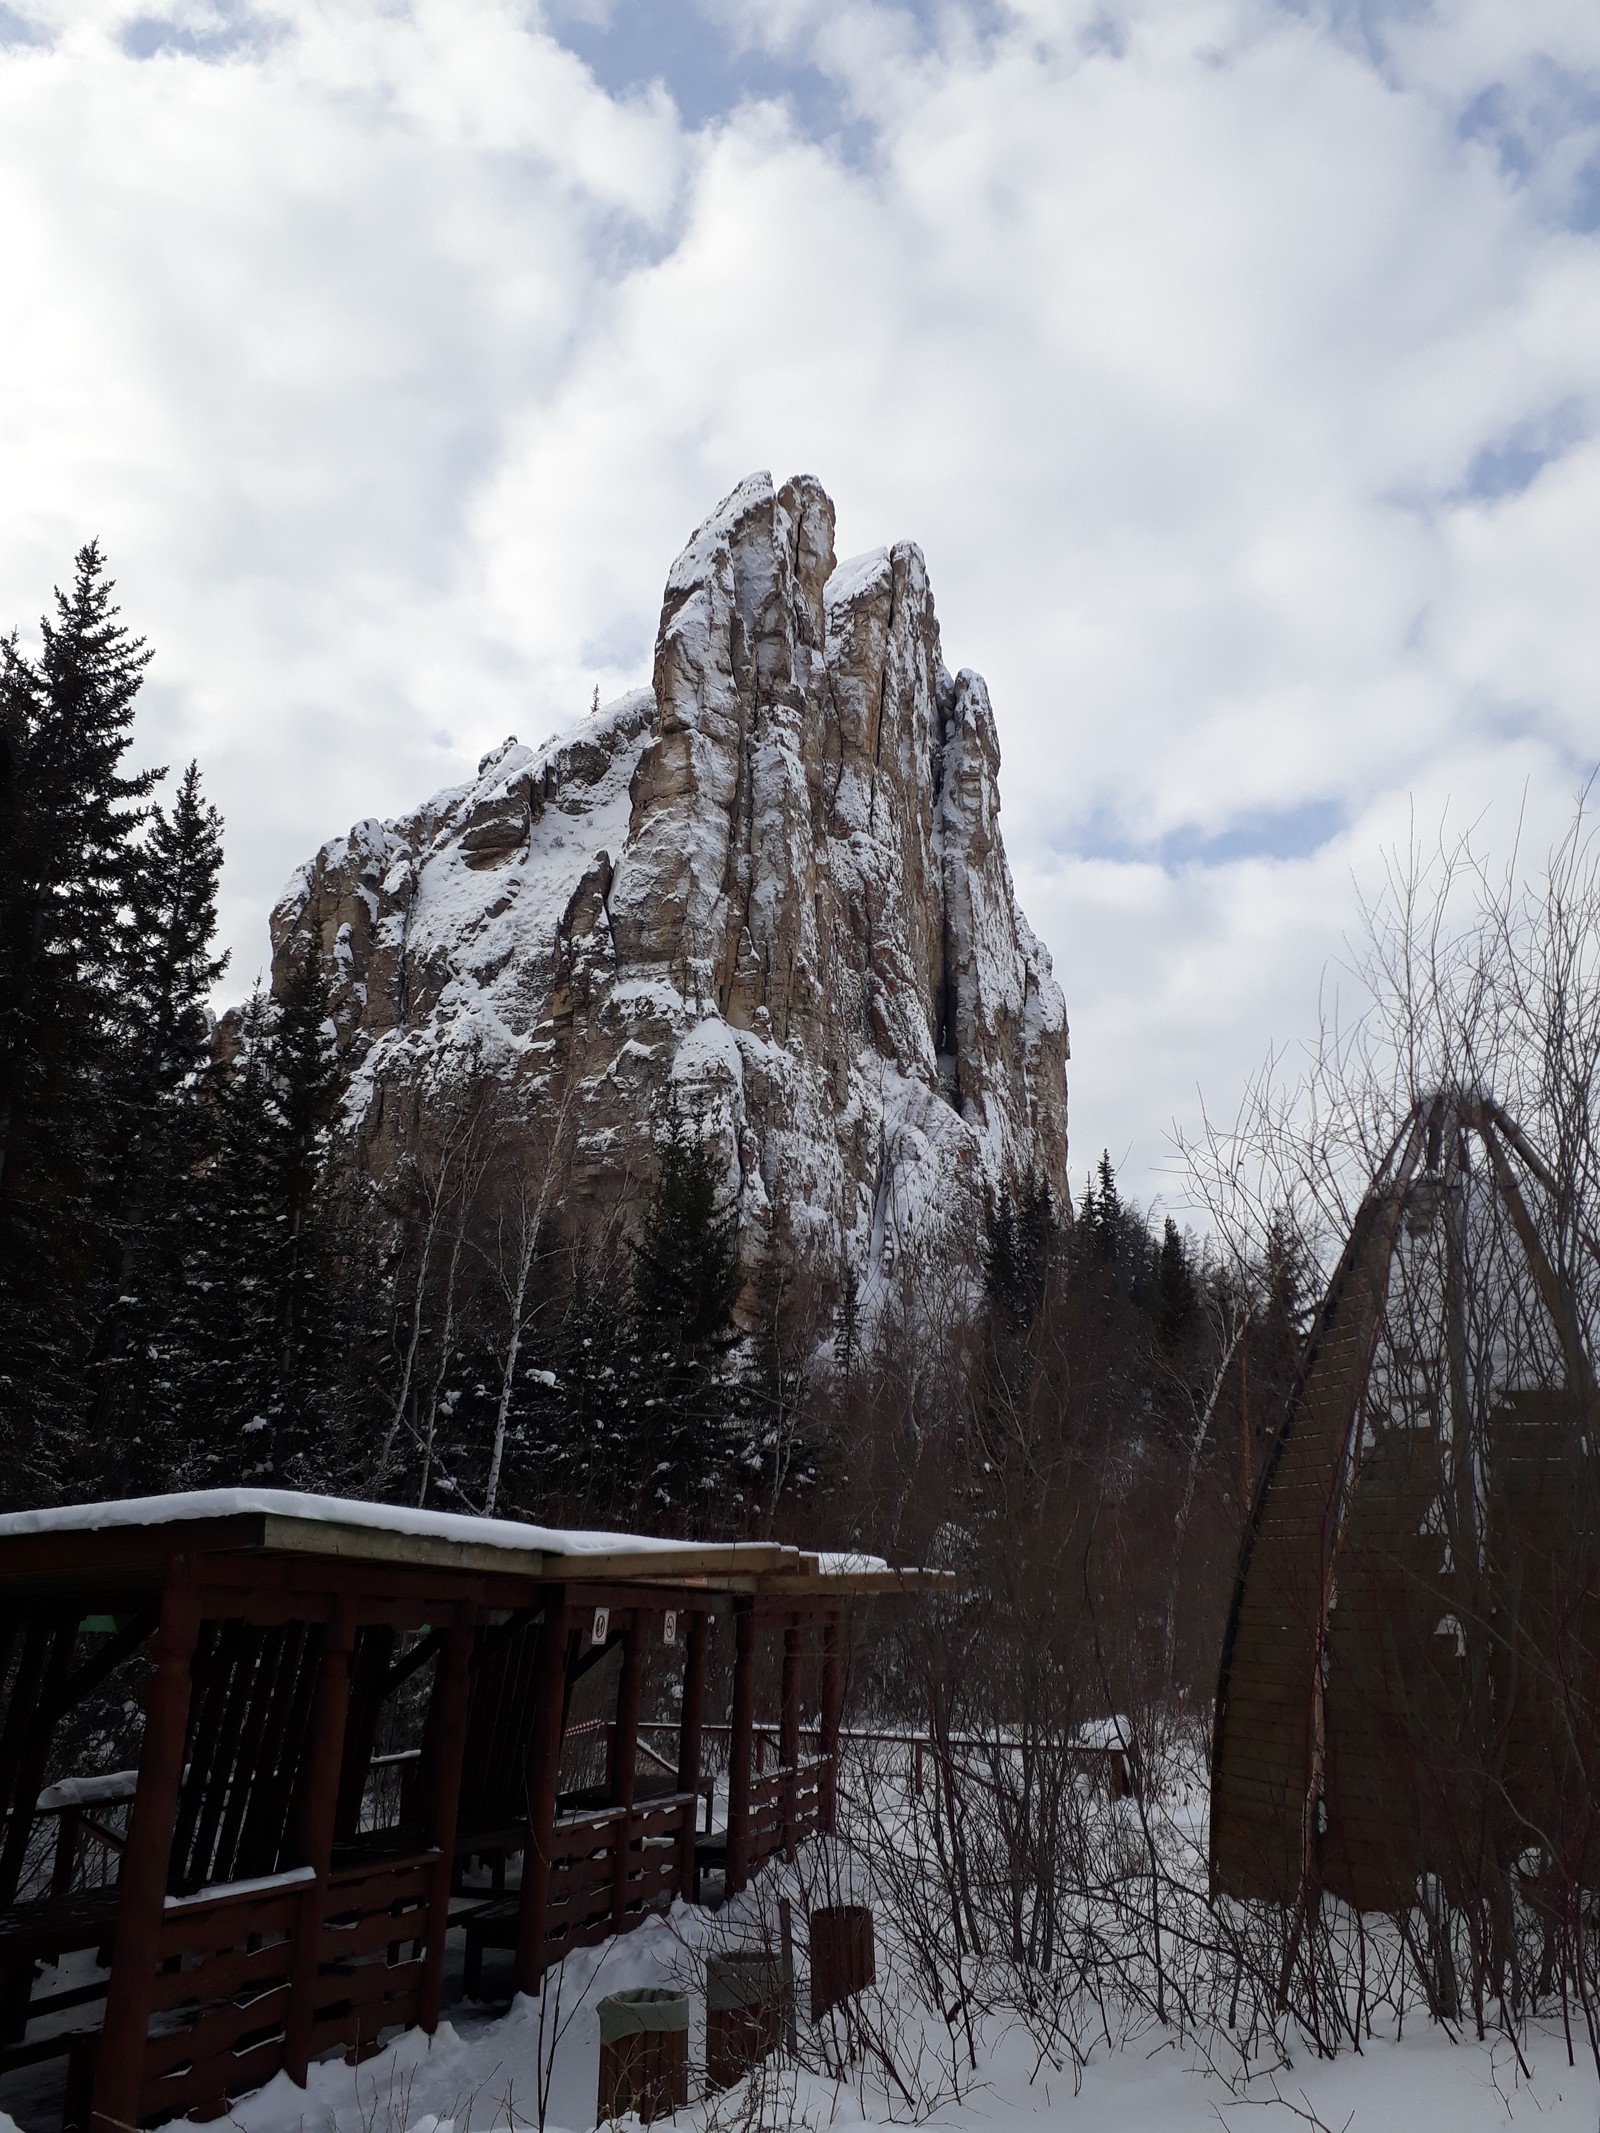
point(922, 1740)
point(256, 1890)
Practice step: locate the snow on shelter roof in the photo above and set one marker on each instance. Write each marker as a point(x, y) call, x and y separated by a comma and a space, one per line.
point(287, 1521)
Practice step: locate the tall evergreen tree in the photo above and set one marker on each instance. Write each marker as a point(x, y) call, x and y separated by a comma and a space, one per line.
point(1020, 1246)
point(1175, 1284)
point(305, 1267)
point(71, 819)
point(168, 968)
point(164, 1118)
point(686, 1282)
point(581, 1433)
point(222, 1392)
point(270, 1277)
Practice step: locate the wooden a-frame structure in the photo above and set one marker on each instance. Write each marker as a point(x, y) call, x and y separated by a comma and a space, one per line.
point(1410, 1679)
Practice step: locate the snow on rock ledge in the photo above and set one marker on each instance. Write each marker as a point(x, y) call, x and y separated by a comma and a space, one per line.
point(775, 880)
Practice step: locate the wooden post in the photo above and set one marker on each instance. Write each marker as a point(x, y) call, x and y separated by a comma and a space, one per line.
point(544, 1775)
point(740, 1729)
point(789, 1718)
point(690, 1726)
point(318, 1805)
point(828, 1742)
point(450, 1689)
point(789, 1731)
point(142, 1886)
point(625, 1762)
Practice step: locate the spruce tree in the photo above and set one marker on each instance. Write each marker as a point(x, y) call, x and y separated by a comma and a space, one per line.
point(1001, 1273)
point(686, 1282)
point(1020, 1247)
point(1108, 1220)
point(222, 1333)
point(271, 1275)
point(164, 1126)
point(582, 1431)
point(1175, 1284)
point(168, 968)
point(71, 819)
point(305, 1267)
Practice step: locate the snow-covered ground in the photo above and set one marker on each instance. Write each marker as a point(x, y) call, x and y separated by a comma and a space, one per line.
point(499, 2068)
point(482, 2072)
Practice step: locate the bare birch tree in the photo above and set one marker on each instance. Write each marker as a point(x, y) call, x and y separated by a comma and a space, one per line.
point(520, 1230)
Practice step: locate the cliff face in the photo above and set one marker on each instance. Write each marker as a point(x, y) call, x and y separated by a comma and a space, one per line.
point(774, 881)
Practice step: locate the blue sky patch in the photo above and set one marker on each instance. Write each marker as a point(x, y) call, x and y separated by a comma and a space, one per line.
point(704, 69)
point(1261, 833)
point(231, 30)
point(1508, 465)
point(1533, 132)
point(709, 70)
point(18, 29)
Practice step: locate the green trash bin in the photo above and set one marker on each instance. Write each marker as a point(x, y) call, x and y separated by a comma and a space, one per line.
point(644, 2053)
point(748, 1995)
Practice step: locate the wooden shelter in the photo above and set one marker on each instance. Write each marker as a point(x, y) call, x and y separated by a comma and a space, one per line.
point(277, 1878)
point(1411, 1669)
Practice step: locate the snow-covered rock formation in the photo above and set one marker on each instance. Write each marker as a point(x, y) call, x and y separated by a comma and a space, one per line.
point(775, 880)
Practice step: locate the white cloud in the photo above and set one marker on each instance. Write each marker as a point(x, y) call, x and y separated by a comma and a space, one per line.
point(1232, 363)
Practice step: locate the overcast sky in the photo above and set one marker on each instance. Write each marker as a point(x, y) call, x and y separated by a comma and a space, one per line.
point(1236, 365)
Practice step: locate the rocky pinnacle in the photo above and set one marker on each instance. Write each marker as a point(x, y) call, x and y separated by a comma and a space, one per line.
point(773, 883)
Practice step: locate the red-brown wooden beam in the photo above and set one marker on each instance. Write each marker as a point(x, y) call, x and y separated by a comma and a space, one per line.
point(645, 1599)
point(828, 1727)
point(772, 1608)
point(142, 1886)
point(789, 1730)
point(314, 1834)
point(625, 1762)
point(450, 1687)
point(544, 1776)
point(690, 1727)
point(741, 1728)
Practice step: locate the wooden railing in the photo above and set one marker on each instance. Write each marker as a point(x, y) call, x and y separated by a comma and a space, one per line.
point(221, 1993)
point(785, 1809)
point(370, 1951)
point(91, 1817)
point(593, 1892)
point(227, 1958)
